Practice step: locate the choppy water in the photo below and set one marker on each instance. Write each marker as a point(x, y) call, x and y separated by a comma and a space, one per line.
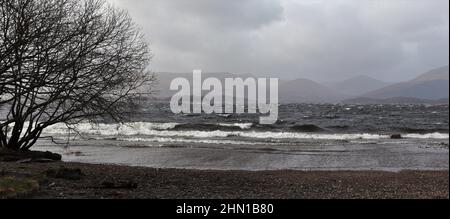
point(305, 137)
point(325, 118)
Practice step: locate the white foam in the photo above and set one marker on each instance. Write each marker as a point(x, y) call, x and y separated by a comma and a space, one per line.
point(135, 128)
point(155, 129)
point(243, 126)
point(291, 135)
point(428, 136)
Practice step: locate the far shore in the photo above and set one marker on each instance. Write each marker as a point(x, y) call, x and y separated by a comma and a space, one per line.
point(63, 180)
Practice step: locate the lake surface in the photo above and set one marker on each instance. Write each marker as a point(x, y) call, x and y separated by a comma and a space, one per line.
point(306, 137)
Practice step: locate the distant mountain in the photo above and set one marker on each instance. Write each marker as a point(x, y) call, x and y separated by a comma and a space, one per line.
point(359, 85)
point(441, 73)
point(432, 85)
point(296, 91)
point(307, 91)
point(395, 100)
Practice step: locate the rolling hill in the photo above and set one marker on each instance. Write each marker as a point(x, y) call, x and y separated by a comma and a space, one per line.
point(432, 85)
point(359, 85)
point(308, 91)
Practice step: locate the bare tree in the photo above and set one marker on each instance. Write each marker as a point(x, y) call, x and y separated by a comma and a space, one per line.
point(66, 61)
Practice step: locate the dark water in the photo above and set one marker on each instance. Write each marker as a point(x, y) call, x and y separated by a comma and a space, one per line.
point(316, 118)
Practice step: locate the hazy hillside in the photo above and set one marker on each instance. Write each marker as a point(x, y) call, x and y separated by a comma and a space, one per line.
point(297, 91)
point(432, 85)
point(358, 85)
point(304, 90)
point(395, 100)
point(441, 73)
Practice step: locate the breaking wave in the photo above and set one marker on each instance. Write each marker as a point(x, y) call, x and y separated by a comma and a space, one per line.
point(213, 127)
point(307, 128)
point(428, 136)
point(174, 130)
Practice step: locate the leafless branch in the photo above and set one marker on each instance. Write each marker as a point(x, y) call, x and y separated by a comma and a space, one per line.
point(66, 61)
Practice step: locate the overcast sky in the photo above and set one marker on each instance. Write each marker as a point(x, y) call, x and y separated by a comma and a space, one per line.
point(324, 40)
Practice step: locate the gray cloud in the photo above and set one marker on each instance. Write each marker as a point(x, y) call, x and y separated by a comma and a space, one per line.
point(322, 40)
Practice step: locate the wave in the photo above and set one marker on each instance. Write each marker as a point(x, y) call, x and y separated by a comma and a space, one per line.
point(436, 135)
point(145, 128)
point(307, 128)
point(135, 128)
point(240, 125)
point(167, 130)
point(291, 135)
point(213, 127)
point(340, 127)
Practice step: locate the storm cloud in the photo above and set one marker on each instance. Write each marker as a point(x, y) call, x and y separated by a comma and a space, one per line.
point(322, 40)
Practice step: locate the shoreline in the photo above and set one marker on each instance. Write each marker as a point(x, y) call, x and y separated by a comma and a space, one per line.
point(389, 155)
point(84, 181)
